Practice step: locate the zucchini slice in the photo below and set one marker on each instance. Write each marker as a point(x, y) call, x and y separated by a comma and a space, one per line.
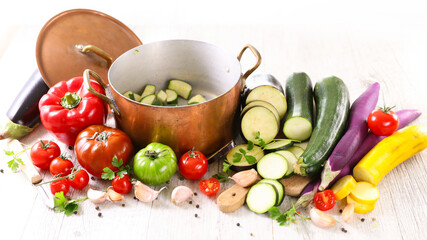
point(292, 160)
point(172, 98)
point(196, 99)
point(243, 164)
point(261, 197)
point(302, 145)
point(279, 187)
point(151, 100)
point(297, 151)
point(273, 166)
point(162, 96)
point(132, 96)
point(262, 104)
point(262, 120)
point(182, 88)
point(148, 90)
point(277, 145)
point(270, 95)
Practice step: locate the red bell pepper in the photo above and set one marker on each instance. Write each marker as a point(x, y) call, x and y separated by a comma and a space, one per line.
point(68, 108)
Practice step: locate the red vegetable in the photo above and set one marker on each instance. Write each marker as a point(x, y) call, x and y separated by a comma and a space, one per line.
point(209, 186)
point(80, 180)
point(324, 200)
point(68, 108)
point(122, 185)
point(193, 165)
point(43, 152)
point(61, 165)
point(61, 185)
point(383, 122)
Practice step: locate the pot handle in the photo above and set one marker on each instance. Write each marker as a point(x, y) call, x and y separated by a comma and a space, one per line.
point(98, 51)
point(86, 81)
point(258, 61)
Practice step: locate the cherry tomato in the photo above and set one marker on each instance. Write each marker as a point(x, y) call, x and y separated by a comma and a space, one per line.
point(43, 152)
point(383, 122)
point(61, 165)
point(324, 200)
point(209, 186)
point(60, 186)
point(80, 180)
point(193, 165)
point(122, 185)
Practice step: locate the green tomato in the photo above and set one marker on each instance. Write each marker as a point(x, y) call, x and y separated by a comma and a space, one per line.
point(155, 164)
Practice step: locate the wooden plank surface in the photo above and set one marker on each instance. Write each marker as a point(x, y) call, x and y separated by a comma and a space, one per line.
point(358, 57)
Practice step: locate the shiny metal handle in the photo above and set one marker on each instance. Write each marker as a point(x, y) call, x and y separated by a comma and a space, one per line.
point(86, 79)
point(98, 51)
point(257, 63)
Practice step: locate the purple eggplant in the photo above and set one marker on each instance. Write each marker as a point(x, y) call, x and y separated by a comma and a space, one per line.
point(308, 193)
point(353, 138)
point(405, 117)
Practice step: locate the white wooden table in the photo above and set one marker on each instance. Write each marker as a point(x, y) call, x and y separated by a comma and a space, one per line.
point(356, 55)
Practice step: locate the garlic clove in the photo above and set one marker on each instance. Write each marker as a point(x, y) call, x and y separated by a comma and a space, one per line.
point(96, 196)
point(181, 194)
point(144, 193)
point(113, 195)
point(348, 213)
point(246, 178)
point(321, 219)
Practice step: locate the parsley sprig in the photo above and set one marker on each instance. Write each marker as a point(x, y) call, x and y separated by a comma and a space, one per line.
point(223, 177)
point(288, 217)
point(62, 204)
point(16, 161)
point(109, 174)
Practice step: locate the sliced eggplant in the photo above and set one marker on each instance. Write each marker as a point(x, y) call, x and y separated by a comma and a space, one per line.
point(273, 166)
point(279, 188)
point(148, 90)
point(182, 88)
point(259, 120)
point(196, 99)
point(280, 144)
point(242, 163)
point(261, 103)
point(291, 158)
point(261, 197)
point(270, 95)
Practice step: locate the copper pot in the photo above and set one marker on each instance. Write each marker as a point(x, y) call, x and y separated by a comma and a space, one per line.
point(212, 72)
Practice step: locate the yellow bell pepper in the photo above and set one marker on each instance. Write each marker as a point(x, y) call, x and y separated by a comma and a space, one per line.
point(389, 153)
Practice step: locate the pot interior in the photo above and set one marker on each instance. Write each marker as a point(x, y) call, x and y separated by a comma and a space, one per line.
point(210, 70)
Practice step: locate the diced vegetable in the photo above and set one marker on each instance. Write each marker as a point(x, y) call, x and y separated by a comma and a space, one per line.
point(302, 145)
point(291, 158)
point(353, 138)
point(172, 98)
point(279, 187)
point(261, 197)
point(270, 95)
point(360, 208)
point(162, 96)
point(151, 100)
point(332, 107)
point(389, 153)
point(299, 118)
point(343, 187)
point(243, 159)
point(148, 90)
point(259, 120)
point(405, 117)
point(132, 96)
point(260, 103)
point(365, 193)
point(196, 99)
point(272, 166)
point(280, 144)
point(182, 88)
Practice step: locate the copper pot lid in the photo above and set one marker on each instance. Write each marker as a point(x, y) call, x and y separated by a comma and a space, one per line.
point(78, 39)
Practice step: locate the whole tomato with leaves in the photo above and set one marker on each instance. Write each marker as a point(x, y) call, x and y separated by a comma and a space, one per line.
point(61, 166)
point(122, 185)
point(96, 146)
point(193, 165)
point(68, 107)
point(383, 121)
point(43, 152)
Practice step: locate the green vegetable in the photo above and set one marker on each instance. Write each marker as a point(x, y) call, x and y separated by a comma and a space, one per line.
point(61, 204)
point(182, 88)
point(287, 217)
point(196, 99)
point(14, 163)
point(155, 164)
point(148, 90)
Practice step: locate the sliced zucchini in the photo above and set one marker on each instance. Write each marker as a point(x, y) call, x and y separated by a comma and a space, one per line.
point(162, 96)
point(273, 166)
point(299, 128)
point(196, 99)
point(262, 120)
point(277, 145)
point(243, 164)
point(182, 88)
point(172, 98)
point(297, 151)
point(151, 100)
point(279, 187)
point(302, 145)
point(262, 104)
point(292, 160)
point(270, 95)
point(132, 96)
point(261, 197)
point(148, 90)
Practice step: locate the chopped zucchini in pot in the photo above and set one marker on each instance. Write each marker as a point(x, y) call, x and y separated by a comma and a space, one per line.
point(148, 90)
point(196, 99)
point(182, 88)
point(151, 100)
point(162, 96)
point(132, 96)
point(172, 97)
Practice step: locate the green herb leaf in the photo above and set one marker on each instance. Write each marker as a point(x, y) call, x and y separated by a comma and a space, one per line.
point(237, 157)
point(14, 166)
point(250, 145)
point(261, 142)
point(108, 174)
point(226, 166)
point(9, 153)
point(221, 177)
point(242, 151)
point(70, 208)
point(116, 162)
point(250, 159)
point(59, 202)
point(274, 213)
point(287, 217)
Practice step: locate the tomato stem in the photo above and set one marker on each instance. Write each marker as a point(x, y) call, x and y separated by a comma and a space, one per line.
point(46, 145)
point(69, 176)
point(153, 154)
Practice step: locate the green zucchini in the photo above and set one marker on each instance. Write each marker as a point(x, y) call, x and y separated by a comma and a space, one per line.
point(182, 88)
point(172, 99)
point(299, 118)
point(196, 99)
point(132, 96)
point(148, 90)
point(162, 96)
point(278, 144)
point(332, 107)
point(151, 100)
point(261, 197)
point(279, 187)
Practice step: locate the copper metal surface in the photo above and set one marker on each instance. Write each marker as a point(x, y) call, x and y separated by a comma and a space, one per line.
point(58, 59)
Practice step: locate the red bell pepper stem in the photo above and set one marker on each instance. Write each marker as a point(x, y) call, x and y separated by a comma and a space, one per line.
point(70, 100)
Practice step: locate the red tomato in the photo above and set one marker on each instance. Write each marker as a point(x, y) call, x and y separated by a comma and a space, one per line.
point(209, 186)
point(193, 165)
point(324, 200)
point(383, 122)
point(61, 165)
point(122, 185)
point(43, 152)
point(80, 180)
point(60, 186)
